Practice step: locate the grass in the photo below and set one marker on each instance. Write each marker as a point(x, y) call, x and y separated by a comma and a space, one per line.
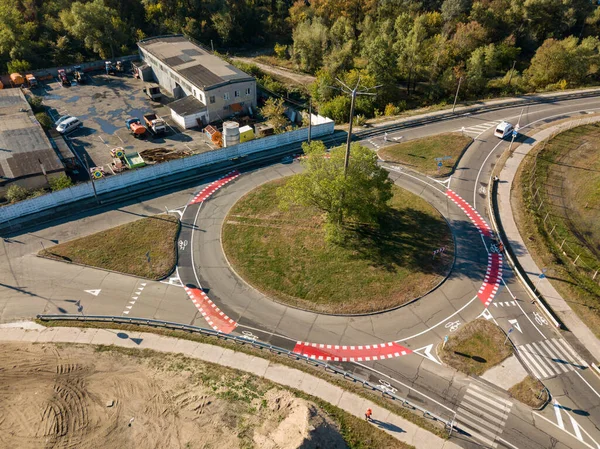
point(124, 248)
point(244, 390)
point(284, 254)
point(567, 174)
point(529, 391)
point(390, 405)
point(476, 347)
point(420, 154)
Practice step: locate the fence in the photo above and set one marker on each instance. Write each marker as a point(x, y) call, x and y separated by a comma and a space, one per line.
point(386, 391)
point(546, 201)
point(162, 170)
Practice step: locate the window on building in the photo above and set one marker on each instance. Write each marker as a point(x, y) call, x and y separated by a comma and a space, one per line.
point(247, 91)
point(226, 96)
point(236, 93)
point(212, 99)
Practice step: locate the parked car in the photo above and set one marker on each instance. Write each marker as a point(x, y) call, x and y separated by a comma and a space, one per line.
point(62, 119)
point(503, 129)
point(69, 125)
point(63, 78)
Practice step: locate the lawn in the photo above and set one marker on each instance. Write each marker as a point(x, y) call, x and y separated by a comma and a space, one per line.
point(529, 391)
point(284, 254)
point(420, 154)
point(476, 347)
point(564, 229)
point(124, 248)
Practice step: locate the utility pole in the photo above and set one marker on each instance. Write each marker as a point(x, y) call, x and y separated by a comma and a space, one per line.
point(87, 167)
point(456, 96)
point(309, 117)
point(511, 72)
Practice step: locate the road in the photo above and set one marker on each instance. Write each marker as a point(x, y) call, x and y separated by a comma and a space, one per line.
point(397, 347)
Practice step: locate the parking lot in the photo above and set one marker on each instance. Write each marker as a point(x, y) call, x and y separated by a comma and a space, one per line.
point(103, 104)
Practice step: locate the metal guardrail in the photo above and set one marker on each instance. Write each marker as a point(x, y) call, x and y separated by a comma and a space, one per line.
point(449, 425)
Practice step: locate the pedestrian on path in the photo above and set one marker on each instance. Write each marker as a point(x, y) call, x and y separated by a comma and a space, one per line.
point(368, 414)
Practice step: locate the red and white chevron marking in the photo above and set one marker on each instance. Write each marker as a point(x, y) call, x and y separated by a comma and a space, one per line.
point(211, 313)
point(473, 215)
point(205, 193)
point(491, 282)
point(363, 353)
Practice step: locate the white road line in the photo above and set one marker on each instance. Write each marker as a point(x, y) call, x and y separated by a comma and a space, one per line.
point(559, 420)
point(586, 382)
point(547, 348)
point(476, 407)
point(576, 357)
point(475, 434)
point(566, 431)
point(488, 427)
point(576, 428)
point(532, 362)
point(497, 401)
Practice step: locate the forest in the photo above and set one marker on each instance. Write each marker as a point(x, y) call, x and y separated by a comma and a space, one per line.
point(417, 52)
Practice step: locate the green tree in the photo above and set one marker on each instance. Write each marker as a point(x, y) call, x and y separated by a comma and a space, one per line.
point(454, 9)
point(99, 27)
point(310, 42)
point(44, 120)
point(280, 50)
point(18, 66)
point(273, 111)
point(361, 196)
point(60, 182)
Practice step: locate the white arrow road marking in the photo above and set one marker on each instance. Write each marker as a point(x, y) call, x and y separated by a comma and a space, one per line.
point(129, 307)
point(143, 284)
point(126, 312)
point(93, 292)
point(131, 302)
point(486, 314)
point(135, 297)
point(516, 325)
point(427, 353)
point(138, 293)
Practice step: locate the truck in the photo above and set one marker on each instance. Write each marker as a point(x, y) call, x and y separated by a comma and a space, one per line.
point(155, 124)
point(153, 91)
point(135, 126)
point(31, 80)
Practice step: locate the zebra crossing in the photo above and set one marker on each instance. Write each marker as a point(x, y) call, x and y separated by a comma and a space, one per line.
point(505, 304)
point(478, 129)
point(550, 358)
point(482, 414)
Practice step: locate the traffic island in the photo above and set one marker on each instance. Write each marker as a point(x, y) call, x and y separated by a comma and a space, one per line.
point(434, 155)
point(476, 347)
point(284, 254)
point(144, 248)
point(530, 391)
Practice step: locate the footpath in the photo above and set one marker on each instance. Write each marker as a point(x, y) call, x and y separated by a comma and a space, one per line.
point(531, 270)
point(280, 374)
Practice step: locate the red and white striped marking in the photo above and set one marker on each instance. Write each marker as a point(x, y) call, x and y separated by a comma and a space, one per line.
point(473, 215)
point(209, 310)
point(363, 353)
point(491, 282)
point(205, 193)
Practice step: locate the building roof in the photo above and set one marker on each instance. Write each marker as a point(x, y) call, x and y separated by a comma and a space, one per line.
point(197, 65)
point(187, 106)
point(24, 146)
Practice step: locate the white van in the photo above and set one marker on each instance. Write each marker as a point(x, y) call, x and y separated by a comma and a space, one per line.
point(503, 129)
point(68, 125)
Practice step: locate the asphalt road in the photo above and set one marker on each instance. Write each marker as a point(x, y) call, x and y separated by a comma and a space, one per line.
point(30, 285)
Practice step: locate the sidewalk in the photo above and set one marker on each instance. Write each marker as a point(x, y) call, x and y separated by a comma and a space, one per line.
point(283, 375)
point(532, 271)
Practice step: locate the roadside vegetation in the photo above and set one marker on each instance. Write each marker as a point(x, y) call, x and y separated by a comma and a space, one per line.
point(557, 207)
point(145, 248)
point(375, 396)
point(476, 347)
point(416, 50)
point(286, 238)
point(420, 154)
point(530, 391)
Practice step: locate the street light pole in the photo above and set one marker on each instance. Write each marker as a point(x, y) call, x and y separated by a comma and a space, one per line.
point(309, 118)
point(456, 96)
point(349, 139)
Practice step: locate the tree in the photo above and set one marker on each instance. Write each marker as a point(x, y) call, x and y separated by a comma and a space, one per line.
point(44, 120)
point(60, 182)
point(96, 25)
point(310, 41)
point(18, 66)
point(361, 196)
point(453, 9)
point(274, 111)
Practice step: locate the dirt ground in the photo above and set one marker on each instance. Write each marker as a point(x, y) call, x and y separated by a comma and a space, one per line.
point(58, 396)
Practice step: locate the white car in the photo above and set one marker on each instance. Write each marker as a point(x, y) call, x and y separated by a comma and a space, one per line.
point(503, 129)
point(62, 119)
point(69, 125)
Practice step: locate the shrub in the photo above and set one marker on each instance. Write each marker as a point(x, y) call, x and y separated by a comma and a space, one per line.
point(36, 103)
point(337, 109)
point(18, 66)
point(60, 182)
point(16, 193)
point(44, 120)
point(281, 51)
point(359, 120)
point(36, 193)
point(391, 109)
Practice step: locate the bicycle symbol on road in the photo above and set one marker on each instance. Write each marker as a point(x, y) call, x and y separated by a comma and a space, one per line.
point(386, 387)
point(452, 325)
point(494, 248)
point(482, 190)
point(540, 319)
point(182, 244)
point(249, 336)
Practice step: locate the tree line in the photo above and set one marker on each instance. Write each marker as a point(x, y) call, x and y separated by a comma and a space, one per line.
point(416, 50)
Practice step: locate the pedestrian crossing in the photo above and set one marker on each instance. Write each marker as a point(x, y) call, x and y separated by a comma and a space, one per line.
point(482, 414)
point(478, 129)
point(505, 304)
point(550, 358)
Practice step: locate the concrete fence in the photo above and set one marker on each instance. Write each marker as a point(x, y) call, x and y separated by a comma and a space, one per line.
point(157, 171)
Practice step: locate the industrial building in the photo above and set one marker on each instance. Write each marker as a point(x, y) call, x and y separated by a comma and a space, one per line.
point(207, 87)
point(27, 157)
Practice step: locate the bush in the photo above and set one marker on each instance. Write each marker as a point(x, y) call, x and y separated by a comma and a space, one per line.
point(391, 109)
point(16, 193)
point(359, 120)
point(281, 51)
point(18, 66)
point(36, 103)
point(337, 109)
point(36, 193)
point(60, 182)
point(44, 120)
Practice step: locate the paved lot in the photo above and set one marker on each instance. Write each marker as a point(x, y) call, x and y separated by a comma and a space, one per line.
point(103, 104)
